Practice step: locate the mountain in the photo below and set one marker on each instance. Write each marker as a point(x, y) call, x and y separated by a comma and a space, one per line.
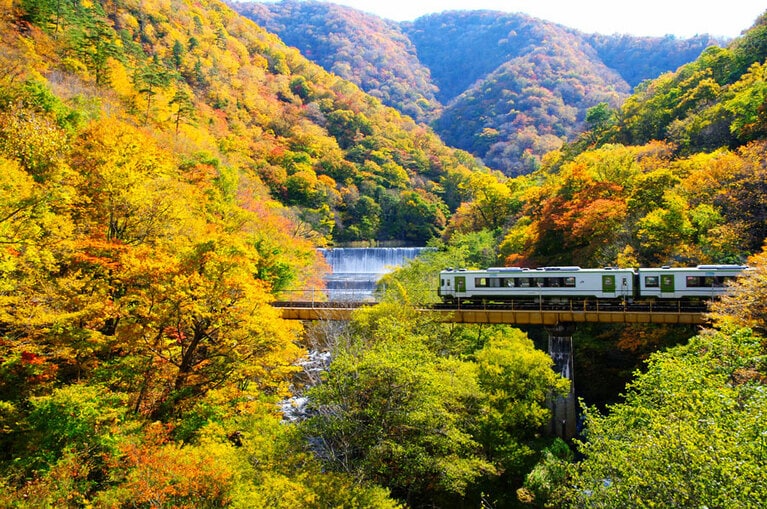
point(516, 87)
point(534, 100)
point(443, 68)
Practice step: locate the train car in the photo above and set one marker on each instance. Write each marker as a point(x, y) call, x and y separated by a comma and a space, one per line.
point(703, 281)
point(505, 283)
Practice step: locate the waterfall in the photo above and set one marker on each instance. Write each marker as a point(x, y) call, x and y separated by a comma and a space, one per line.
point(356, 270)
point(368, 260)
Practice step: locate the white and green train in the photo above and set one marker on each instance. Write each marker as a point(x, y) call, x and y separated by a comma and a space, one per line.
point(509, 283)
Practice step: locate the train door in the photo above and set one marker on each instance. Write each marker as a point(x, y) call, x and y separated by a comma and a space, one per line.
point(608, 284)
point(460, 285)
point(625, 290)
point(666, 283)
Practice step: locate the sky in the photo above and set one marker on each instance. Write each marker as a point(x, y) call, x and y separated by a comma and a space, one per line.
point(682, 18)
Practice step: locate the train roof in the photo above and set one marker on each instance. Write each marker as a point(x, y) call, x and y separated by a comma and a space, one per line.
point(698, 268)
point(575, 268)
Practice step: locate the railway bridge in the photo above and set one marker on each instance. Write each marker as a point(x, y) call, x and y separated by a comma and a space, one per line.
point(519, 312)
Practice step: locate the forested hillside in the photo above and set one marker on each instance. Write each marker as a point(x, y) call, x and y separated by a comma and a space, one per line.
point(641, 58)
point(530, 104)
point(166, 168)
point(519, 87)
point(513, 87)
point(372, 52)
point(225, 90)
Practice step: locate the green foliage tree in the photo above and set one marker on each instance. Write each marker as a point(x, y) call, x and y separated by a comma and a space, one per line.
point(688, 434)
point(601, 120)
point(150, 80)
point(185, 108)
point(94, 43)
point(396, 415)
point(517, 381)
point(547, 481)
point(664, 227)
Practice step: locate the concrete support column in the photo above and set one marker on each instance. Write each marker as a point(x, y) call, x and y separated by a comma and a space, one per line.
point(563, 415)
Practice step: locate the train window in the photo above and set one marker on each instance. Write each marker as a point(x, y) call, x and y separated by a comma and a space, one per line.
point(507, 282)
point(699, 282)
point(523, 282)
point(480, 282)
point(570, 282)
point(441, 282)
point(495, 282)
point(651, 281)
point(703, 281)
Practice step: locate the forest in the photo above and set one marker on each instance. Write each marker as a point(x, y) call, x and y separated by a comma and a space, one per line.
point(168, 167)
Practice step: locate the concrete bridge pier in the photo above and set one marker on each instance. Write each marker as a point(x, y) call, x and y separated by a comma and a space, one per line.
point(563, 411)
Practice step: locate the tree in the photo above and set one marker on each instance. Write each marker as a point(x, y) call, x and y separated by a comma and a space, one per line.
point(150, 80)
point(745, 304)
point(127, 189)
point(665, 229)
point(366, 216)
point(689, 433)
point(490, 207)
point(517, 381)
point(747, 104)
point(348, 127)
point(202, 319)
point(743, 200)
point(35, 141)
point(70, 442)
point(396, 415)
point(601, 120)
point(185, 108)
point(94, 43)
point(417, 218)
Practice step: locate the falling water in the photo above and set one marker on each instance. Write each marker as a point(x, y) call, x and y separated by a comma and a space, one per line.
point(356, 270)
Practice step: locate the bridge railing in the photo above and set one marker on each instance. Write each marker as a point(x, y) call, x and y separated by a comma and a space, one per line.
point(329, 297)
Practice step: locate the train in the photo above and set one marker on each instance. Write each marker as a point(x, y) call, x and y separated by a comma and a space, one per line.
point(572, 282)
